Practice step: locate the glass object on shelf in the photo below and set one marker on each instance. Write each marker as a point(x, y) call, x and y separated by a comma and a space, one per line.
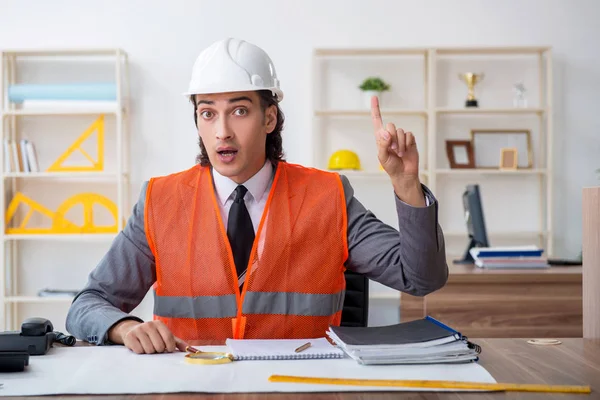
point(519, 100)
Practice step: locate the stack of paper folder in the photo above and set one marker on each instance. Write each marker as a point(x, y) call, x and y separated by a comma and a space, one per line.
point(424, 341)
point(509, 257)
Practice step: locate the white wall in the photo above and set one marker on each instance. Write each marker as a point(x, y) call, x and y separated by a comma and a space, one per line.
point(163, 39)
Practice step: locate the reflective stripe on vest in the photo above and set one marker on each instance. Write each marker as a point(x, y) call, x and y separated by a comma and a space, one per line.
point(281, 303)
point(288, 303)
point(195, 307)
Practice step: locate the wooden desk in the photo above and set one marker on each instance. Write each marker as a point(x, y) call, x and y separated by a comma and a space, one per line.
point(505, 303)
point(574, 362)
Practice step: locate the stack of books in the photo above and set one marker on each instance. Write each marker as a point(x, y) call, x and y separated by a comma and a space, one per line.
point(20, 156)
point(509, 257)
point(424, 341)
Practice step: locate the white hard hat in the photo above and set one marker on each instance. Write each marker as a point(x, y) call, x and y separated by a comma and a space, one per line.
point(233, 65)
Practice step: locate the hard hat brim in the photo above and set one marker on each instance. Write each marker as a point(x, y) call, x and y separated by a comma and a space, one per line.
point(249, 88)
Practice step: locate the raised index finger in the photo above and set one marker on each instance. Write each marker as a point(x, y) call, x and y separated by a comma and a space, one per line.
point(376, 114)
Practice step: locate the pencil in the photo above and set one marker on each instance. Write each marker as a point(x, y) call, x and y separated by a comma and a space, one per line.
point(192, 349)
point(303, 347)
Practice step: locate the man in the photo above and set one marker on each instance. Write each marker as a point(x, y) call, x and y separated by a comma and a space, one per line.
point(246, 245)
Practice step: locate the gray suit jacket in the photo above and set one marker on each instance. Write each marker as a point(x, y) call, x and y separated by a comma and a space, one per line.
point(411, 259)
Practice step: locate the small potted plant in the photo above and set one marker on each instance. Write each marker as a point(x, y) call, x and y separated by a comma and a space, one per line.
point(373, 86)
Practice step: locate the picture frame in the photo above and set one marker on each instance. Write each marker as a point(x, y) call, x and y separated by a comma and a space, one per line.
point(488, 145)
point(509, 158)
point(460, 154)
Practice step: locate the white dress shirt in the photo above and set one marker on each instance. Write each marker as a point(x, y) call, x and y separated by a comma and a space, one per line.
point(256, 198)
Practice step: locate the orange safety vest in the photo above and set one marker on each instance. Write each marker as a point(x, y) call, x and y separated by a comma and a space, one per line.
point(294, 285)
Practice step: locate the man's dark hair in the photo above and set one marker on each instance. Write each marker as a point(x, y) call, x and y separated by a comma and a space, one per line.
point(273, 145)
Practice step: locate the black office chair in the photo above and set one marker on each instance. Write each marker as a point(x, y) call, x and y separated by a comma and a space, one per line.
point(355, 311)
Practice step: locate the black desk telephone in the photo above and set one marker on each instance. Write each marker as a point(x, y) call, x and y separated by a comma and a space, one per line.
point(35, 338)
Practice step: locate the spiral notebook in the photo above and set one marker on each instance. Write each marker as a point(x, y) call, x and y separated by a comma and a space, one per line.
point(282, 349)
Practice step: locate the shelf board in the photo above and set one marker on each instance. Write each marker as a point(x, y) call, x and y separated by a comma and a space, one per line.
point(367, 113)
point(370, 174)
point(491, 50)
point(385, 296)
point(387, 52)
point(38, 299)
point(95, 176)
point(507, 234)
point(73, 237)
point(514, 110)
point(64, 52)
point(369, 52)
point(491, 171)
point(63, 111)
point(364, 174)
point(373, 52)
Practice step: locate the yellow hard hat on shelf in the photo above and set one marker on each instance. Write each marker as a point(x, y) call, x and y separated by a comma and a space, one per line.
point(344, 159)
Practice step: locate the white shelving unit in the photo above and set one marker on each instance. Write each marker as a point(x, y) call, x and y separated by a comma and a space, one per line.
point(15, 122)
point(360, 113)
point(508, 111)
point(36, 299)
point(481, 171)
point(427, 98)
point(101, 237)
point(65, 111)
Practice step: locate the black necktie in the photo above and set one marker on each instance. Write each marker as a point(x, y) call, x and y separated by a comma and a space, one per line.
point(240, 231)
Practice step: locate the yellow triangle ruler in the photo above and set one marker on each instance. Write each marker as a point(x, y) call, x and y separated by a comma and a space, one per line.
point(60, 224)
point(97, 165)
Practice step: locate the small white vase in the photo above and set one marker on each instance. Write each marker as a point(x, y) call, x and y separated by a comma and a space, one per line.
point(367, 97)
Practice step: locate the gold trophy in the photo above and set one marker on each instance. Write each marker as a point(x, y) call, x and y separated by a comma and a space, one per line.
point(471, 79)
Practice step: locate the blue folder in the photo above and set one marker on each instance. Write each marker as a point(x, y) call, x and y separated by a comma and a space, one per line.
point(68, 91)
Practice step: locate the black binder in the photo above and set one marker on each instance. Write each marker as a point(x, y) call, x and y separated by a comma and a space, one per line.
point(421, 341)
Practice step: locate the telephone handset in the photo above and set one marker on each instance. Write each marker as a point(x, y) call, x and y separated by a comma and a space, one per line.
point(36, 327)
point(36, 337)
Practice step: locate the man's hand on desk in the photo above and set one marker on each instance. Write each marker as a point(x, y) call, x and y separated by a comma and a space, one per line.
point(145, 338)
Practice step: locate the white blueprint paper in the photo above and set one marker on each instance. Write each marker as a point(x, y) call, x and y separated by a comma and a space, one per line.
point(116, 370)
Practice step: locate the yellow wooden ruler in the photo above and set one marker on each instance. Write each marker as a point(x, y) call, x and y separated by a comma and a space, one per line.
point(425, 384)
